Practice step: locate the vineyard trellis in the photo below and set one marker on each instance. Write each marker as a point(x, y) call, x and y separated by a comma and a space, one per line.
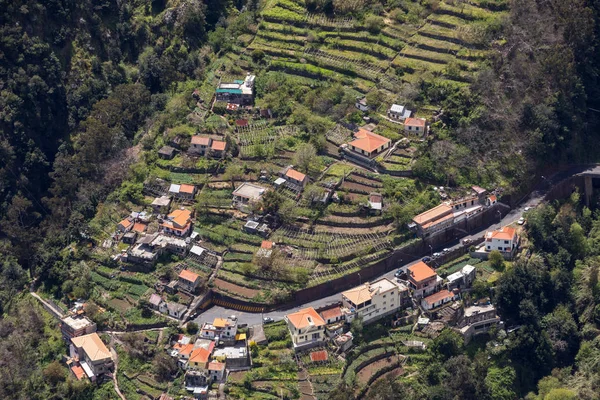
point(251, 136)
point(323, 20)
point(338, 134)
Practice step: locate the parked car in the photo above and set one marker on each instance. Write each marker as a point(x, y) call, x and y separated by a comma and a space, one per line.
point(527, 209)
point(398, 273)
point(426, 259)
point(268, 320)
point(467, 241)
point(521, 221)
point(436, 255)
point(233, 317)
point(446, 250)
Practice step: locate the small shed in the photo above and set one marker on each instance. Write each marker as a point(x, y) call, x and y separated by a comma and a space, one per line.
point(166, 152)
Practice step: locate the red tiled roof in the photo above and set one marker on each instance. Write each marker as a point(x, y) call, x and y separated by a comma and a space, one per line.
point(331, 313)
point(434, 298)
point(78, 372)
point(415, 121)
point(297, 175)
point(126, 223)
point(201, 140)
point(139, 227)
point(420, 272)
point(200, 355)
point(305, 318)
point(368, 141)
point(188, 275)
point(216, 366)
point(185, 188)
point(319, 356)
point(506, 233)
point(266, 244)
point(218, 145)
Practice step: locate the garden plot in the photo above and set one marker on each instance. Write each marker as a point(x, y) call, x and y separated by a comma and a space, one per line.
point(252, 136)
point(358, 66)
point(320, 20)
point(324, 273)
point(339, 134)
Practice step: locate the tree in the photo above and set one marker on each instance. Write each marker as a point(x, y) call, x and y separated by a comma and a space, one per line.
point(164, 366)
point(191, 328)
point(306, 159)
point(389, 389)
point(561, 394)
point(54, 373)
point(447, 344)
point(233, 172)
point(500, 383)
point(461, 382)
point(270, 202)
point(496, 260)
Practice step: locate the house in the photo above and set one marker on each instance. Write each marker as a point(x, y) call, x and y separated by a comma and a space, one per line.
point(166, 152)
point(223, 328)
point(76, 325)
point(188, 280)
point(491, 200)
point(368, 144)
point(149, 247)
point(398, 112)
point(266, 249)
point(476, 320)
point(216, 370)
point(183, 191)
point(375, 203)
point(199, 358)
point(344, 341)
point(129, 237)
point(437, 299)
point(306, 327)
point(423, 280)
point(246, 194)
point(293, 178)
point(505, 240)
point(197, 381)
point(435, 220)
point(331, 314)
point(178, 223)
point(125, 225)
point(94, 358)
point(157, 303)
point(176, 310)
point(415, 125)
point(199, 145)
point(139, 227)
point(160, 205)
point(461, 279)
point(361, 104)
point(238, 92)
point(372, 301)
point(236, 356)
point(218, 148)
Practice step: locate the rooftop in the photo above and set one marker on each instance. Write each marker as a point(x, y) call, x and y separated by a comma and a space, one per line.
point(161, 201)
point(319, 356)
point(200, 355)
point(216, 366)
point(504, 233)
point(155, 299)
point(368, 141)
point(188, 275)
point(433, 214)
point(296, 175)
point(333, 312)
point(434, 298)
point(305, 318)
point(201, 140)
point(365, 292)
point(420, 272)
point(93, 346)
point(473, 310)
point(266, 244)
point(180, 217)
point(77, 323)
point(249, 191)
point(185, 188)
point(415, 122)
point(218, 145)
point(238, 351)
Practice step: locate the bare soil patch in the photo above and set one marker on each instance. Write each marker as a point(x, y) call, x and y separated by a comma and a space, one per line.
point(235, 289)
point(364, 374)
point(366, 181)
point(353, 186)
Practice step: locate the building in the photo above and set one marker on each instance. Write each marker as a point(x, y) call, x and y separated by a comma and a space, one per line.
point(477, 320)
point(375, 300)
point(176, 310)
point(368, 144)
point(435, 220)
point(293, 177)
point(183, 191)
point(491, 200)
point(223, 328)
point(130, 237)
point(461, 279)
point(218, 148)
point(505, 240)
point(178, 223)
point(76, 325)
point(160, 205)
point(331, 315)
point(216, 370)
point(415, 125)
point(199, 358)
point(92, 355)
point(423, 280)
point(375, 203)
point(246, 194)
point(166, 152)
point(188, 280)
point(125, 225)
point(398, 112)
point(306, 327)
point(157, 303)
point(199, 145)
point(437, 299)
point(238, 92)
point(235, 357)
point(361, 104)
point(149, 247)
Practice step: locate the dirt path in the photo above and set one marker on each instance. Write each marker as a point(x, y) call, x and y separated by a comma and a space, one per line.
point(55, 311)
point(115, 357)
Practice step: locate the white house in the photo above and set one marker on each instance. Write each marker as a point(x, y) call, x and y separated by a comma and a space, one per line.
point(306, 327)
point(399, 112)
point(372, 301)
point(224, 328)
point(505, 240)
point(437, 299)
point(461, 279)
point(361, 104)
point(415, 125)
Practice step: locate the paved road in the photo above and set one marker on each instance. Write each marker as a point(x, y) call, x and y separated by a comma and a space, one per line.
point(532, 200)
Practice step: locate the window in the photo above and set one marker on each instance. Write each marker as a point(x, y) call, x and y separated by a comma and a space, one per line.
point(384, 296)
point(506, 242)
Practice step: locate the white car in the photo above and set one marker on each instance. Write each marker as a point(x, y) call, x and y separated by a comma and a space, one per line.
point(446, 250)
point(435, 255)
point(527, 209)
point(521, 221)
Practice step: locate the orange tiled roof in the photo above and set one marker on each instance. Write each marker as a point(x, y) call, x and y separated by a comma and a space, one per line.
point(415, 121)
point(319, 356)
point(201, 140)
point(332, 313)
point(218, 145)
point(434, 298)
point(93, 346)
point(505, 233)
point(420, 272)
point(292, 173)
point(126, 223)
point(200, 355)
point(139, 227)
point(437, 221)
point(78, 371)
point(216, 366)
point(303, 318)
point(266, 244)
point(220, 323)
point(180, 217)
point(188, 275)
point(187, 349)
point(434, 213)
point(493, 198)
point(185, 188)
point(368, 141)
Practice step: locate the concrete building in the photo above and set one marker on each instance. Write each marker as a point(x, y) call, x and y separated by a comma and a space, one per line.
point(461, 279)
point(178, 223)
point(160, 205)
point(235, 357)
point(182, 191)
point(477, 320)
point(372, 301)
point(188, 280)
point(238, 92)
point(246, 194)
point(368, 144)
point(176, 310)
point(91, 355)
point(293, 178)
point(76, 325)
point(415, 125)
point(306, 327)
point(423, 280)
point(505, 240)
point(223, 328)
point(435, 220)
point(398, 112)
point(157, 303)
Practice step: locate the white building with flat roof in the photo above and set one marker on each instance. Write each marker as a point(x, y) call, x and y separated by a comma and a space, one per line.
point(375, 300)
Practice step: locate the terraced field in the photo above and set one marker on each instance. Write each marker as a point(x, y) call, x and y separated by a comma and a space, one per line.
point(446, 40)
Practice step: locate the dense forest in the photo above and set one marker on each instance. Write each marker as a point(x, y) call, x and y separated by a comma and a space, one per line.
point(82, 83)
